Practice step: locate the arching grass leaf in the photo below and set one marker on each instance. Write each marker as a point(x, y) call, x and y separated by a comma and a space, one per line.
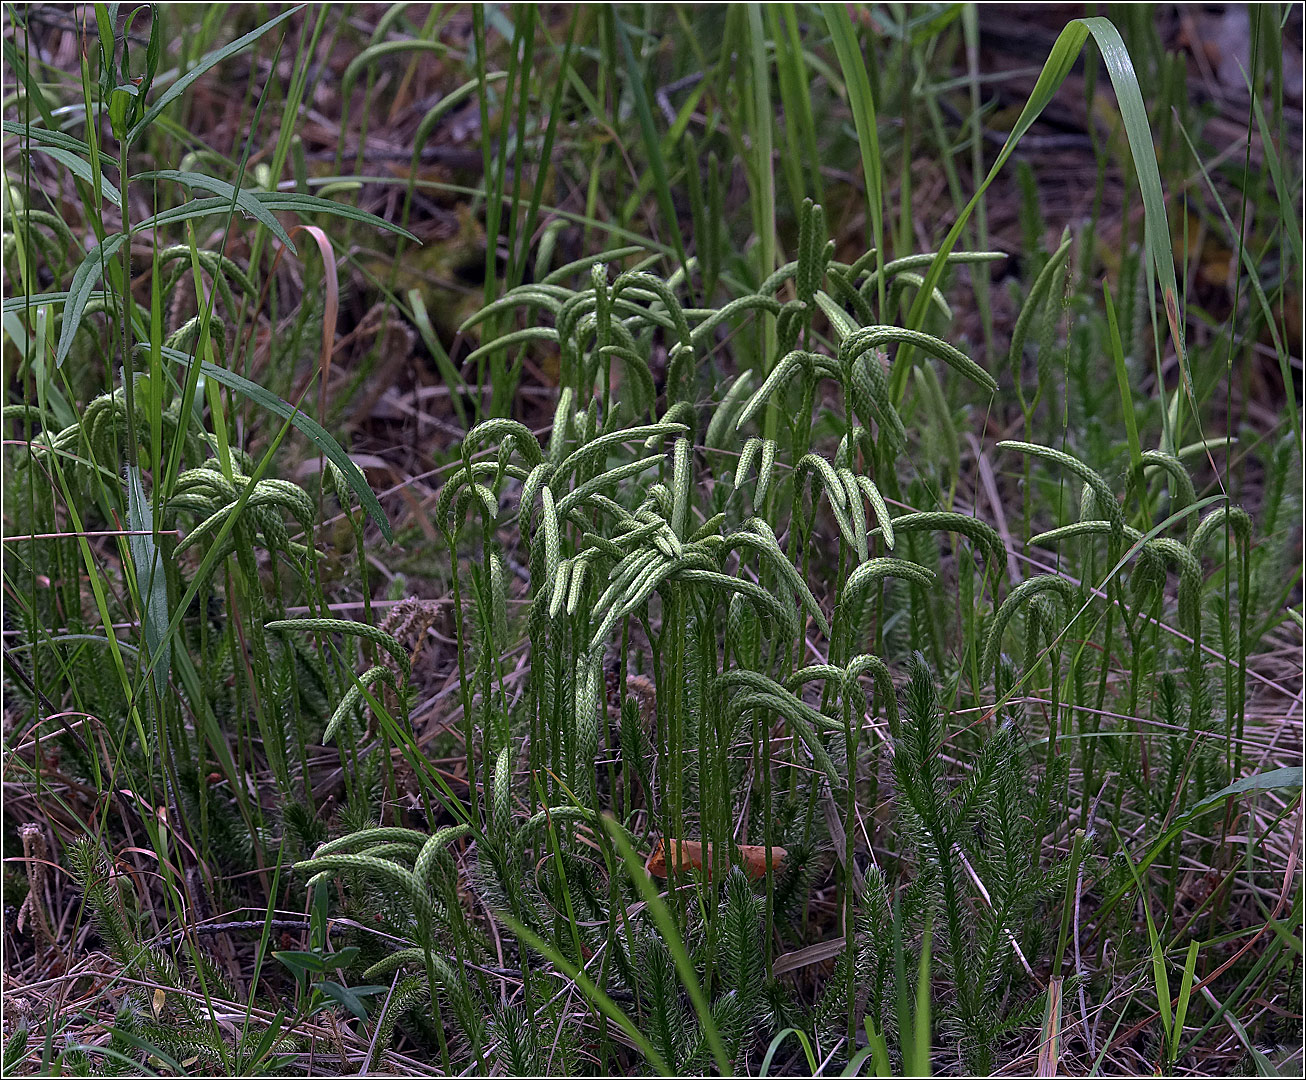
point(316, 433)
point(80, 291)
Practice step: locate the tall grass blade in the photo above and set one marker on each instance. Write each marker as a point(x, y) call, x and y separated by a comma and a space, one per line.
point(593, 993)
point(862, 103)
point(1058, 65)
point(652, 145)
point(667, 927)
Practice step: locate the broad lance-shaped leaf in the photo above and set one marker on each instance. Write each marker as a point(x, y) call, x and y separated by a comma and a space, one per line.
point(192, 208)
point(267, 201)
point(150, 578)
point(244, 198)
point(207, 61)
point(350, 996)
point(299, 203)
point(316, 433)
point(22, 302)
point(1287, 778)
point(80, 169)
point(80, 292)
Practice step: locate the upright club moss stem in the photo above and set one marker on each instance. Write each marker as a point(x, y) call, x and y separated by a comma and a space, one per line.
point(464, 686)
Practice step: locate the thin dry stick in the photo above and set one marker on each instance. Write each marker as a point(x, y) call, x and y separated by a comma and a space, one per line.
point(1015, 946)
point(371, 1047)
point(100, 532)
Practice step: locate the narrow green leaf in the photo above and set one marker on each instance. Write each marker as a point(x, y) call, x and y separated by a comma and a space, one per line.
point(1160, 980)
point(666, 925)
point(452, 377)
point(1264, 1066)
point(920, 1047)
point(150, 578)
point(81, 170)
point(14, 62)
point(245, 199)
point(778, 1041)
point(652, 145)
point(317, 434)
point(351, 997)
point(1289, 777)
point(592, 993)
point(1288, 214)
point(207, 61)
point(313, 204)
point(152, 1052)
point(21, 302)
point(80, 292)
point(301, 962)
point(1254, 279)
point(1122, 381)
point(187, 211)
point(878, 1045)
point(1058, 65)
point(44, 138)
point(1185, 994)
point(862, 104)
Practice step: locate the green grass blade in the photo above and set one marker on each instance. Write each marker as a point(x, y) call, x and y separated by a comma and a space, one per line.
point(801, 156)
point(1288, 778)
point(150, 579)
point(31, 85)
point(1160, 980)
point(652, 145)
point(1122, 381)
point(1181, 1005)
point(778, 1041)
point(79, 292)
point(452, 377)
point(593, 994)
point(1249, 265)
point(206, 62)
point(1155, 223)
point(916, 1054)
point(317, 434)
point(1289, 216)
point(862, 104)
point(1058, 65)
point(666, 925)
